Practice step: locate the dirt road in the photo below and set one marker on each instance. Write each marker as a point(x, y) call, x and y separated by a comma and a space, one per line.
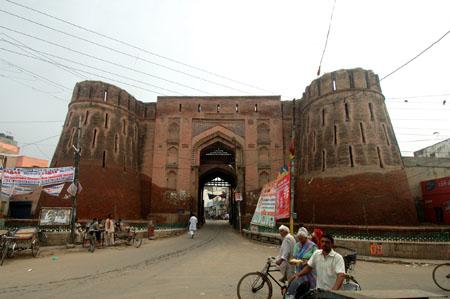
point(208, 266)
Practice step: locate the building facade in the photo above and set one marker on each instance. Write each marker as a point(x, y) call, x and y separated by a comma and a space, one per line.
point(152, 160)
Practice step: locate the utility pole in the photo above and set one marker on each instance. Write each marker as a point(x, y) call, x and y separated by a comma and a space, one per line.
point(76, 165)
point(292, 168)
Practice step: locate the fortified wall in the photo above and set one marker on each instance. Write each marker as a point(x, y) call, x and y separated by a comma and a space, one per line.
point(146, 160)
point(351, 171)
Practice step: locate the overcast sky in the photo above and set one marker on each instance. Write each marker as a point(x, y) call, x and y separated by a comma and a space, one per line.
point(272, 45)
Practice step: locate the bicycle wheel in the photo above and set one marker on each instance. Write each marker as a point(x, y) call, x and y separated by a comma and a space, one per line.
point(35, 248)
point(92, 244)
point(137, 242)
point(254, 285)
point(441, 276)
point(4, 252)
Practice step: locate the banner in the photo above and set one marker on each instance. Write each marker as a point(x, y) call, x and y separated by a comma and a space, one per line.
point(265, 209)
point(37, 176)
point(9, 190)
point(283, 197)
point(54, 190)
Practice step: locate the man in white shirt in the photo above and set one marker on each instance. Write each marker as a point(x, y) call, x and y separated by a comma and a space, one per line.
point(329, 266)
point(286, 250)
point(192, 225)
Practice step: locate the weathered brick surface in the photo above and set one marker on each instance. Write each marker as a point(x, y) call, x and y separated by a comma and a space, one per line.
point(143, 160)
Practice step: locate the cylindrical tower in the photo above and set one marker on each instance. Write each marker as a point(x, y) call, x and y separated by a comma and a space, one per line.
point(350, 167)
point(109, 166)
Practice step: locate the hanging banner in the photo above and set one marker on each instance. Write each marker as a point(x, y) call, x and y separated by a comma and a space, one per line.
point(265, 209)
point(283, 202)
point(37, 176)
point(72, 190)
point(53, 190)
point(9, 190)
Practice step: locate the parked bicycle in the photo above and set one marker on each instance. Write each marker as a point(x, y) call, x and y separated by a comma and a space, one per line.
point(6, 245)
point(441, 276)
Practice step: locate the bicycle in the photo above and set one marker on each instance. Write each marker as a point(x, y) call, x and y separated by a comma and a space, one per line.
point(441, 276)
point(258, 284)
point(7, 246)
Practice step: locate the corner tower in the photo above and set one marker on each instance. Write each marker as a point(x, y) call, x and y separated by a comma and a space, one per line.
point(109, 167)
point(351, 171)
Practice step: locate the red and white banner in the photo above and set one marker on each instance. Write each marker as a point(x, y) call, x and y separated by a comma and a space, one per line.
point(37, 176)
point(283, 203)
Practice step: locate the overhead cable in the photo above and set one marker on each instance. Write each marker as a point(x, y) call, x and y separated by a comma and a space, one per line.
point(137, 47)
point(124, 53)
point(103, 60)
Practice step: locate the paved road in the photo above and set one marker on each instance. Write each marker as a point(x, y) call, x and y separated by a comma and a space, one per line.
point(209, 266)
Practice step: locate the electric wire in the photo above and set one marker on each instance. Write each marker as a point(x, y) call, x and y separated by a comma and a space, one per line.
point(104, 60)
point(35, 75)
point(326, 39)
point(415, 57)
point(88, 66)
point(124, 53)
point(138, 48)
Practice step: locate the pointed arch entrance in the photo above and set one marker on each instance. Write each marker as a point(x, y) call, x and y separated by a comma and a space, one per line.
point(218, 171)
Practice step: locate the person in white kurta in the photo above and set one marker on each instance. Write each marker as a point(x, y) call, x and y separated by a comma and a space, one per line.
point(286, 251)
point(192, 225)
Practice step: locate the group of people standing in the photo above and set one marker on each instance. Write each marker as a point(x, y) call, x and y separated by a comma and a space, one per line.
point(98, 226)
point(309, 261)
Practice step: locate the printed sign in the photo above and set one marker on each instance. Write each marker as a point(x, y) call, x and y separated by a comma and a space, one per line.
point(376, 249)
point(265, 209)
point(237, 196)
point(283, 203)
point(9, 190)
point(37, 176)
point(55, 216)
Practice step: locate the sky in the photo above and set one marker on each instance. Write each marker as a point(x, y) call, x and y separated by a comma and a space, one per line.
point(235, 47)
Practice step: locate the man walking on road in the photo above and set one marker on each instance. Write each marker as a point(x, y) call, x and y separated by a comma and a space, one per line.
point(328, 264)
point(286, 250)
point(109, 229)
point(192, 225)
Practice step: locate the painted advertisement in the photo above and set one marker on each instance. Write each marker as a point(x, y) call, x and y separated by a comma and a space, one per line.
point(55, 216)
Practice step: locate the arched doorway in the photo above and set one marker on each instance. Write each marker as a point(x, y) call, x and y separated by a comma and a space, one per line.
point(217, 182)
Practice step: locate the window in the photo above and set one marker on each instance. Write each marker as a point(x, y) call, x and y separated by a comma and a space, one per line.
point(380, 160)
point(104, 159)
point(172, 180)
point(237, 108)
point(324, 157)
point(371, 112)
point(218, 108)
point(105, 96)
point(124, 127)
point(314, 141)
point(116, 143)
point(94, 138)
point(263, 179)
point(350, 152)
point(323, 116)
point(347, 114)
point(86, 117)
point(335, 135)
point(199, 108)
point(106, 121)
point(256, 107)
point(386, 135)
point(363, 137)
point(179, 107)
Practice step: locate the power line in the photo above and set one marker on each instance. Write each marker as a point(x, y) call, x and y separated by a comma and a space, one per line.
point(419, 96)
point(33, 88)
point(122, 52)
point(326, 39)
point(415, 57)
point(88, 66)
point(23, 45)
point(39, 141)
point(83, 71)
point(137, 48)
point(35, 75)
point(103, 60)
point(30, 121)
